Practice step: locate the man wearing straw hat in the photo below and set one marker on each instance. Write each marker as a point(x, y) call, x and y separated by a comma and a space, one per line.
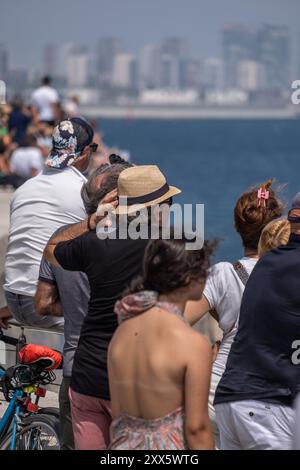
point(110, 265)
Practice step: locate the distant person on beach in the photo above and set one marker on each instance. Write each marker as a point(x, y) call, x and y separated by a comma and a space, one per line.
point(18, 121)
point(67, 293)
point(44, 100)
point(71, 106)
point(38, 208)
point(110, 265)
point(255, 398)
point(159, 367)
point(27, 160)
point(225, 284)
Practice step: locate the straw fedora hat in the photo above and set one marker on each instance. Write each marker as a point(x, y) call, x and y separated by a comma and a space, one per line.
point(142, 186)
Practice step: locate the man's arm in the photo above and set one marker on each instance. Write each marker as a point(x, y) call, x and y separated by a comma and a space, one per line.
point(5, 316)
point(76, 230)
point(46, 299)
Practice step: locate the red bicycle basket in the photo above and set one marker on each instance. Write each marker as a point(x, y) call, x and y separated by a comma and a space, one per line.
point(32, 353)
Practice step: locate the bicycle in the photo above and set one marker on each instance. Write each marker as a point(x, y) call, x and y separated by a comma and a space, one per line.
point(24, 425)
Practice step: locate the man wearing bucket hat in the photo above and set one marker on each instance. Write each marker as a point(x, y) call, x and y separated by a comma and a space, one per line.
point(38, 208)
point(255, 398)
point(110, 265)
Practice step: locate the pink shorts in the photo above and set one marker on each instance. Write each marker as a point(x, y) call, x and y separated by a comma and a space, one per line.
point(91, 419)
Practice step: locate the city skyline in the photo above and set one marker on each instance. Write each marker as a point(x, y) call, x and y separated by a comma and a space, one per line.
point(255, 67)
point(135, 23)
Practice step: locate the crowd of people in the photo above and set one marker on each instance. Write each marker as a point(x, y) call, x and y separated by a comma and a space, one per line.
point(26, 130)
point(136, 374)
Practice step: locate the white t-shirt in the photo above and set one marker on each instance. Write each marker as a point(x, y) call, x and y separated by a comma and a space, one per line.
point(223, 291)
point(24, 159)
point(38, 208)
point(43, 98)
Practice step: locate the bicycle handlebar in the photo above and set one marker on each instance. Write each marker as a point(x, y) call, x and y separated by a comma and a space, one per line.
point(8, 339)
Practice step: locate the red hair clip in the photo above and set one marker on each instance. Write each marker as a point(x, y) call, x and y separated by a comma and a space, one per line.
point(262, 196)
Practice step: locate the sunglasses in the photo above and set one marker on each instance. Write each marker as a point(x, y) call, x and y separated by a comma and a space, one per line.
point(93, 147)
point(169, 201)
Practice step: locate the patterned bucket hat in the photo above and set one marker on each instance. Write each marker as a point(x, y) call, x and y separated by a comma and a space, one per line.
point(68, 140)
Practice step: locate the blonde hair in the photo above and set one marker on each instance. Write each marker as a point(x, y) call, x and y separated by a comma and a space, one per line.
point(275, 233)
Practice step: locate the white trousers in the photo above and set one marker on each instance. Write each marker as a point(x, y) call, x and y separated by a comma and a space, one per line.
point(215, 379)
point(255, 425)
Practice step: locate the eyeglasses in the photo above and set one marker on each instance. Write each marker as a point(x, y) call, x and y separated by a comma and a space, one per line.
point(93, 147)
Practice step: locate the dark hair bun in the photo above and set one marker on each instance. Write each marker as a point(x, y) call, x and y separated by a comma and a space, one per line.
point(168, 265)
point(114, 158)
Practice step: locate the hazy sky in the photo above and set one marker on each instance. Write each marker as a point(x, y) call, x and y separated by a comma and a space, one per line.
point(27, 25)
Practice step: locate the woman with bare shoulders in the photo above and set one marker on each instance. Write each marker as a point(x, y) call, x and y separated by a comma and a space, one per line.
point(159, 368)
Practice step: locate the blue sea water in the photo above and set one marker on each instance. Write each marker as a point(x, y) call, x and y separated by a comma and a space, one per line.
point(214, 161)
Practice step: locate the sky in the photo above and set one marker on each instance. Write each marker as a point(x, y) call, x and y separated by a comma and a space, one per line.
point(26, 26)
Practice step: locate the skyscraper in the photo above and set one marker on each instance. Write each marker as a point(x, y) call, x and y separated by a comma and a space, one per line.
point(175, 47)
point(106, 51)
point(273, 45)
point(77, 66)
point(212, 73)
point(238, 44)
point(149, 66)
point(125, 71)
point(49, 60)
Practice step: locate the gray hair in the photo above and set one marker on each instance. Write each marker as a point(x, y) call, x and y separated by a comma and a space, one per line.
point(92, 193)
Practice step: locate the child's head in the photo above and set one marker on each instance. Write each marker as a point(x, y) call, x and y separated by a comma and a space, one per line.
point(276, 233)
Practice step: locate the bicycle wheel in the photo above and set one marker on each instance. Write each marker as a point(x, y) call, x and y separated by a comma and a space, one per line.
point(39, 432)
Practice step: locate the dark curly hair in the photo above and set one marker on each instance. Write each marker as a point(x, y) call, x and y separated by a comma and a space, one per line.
point(168, 265)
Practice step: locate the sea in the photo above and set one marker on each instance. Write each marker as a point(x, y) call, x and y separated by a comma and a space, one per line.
point(213, 162)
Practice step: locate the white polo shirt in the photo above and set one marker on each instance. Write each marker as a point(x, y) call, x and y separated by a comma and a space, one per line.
point(38, 208)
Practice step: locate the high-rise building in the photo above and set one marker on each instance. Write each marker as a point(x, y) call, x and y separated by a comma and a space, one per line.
point(190, 73)
point(149, 67)
point(106, 51)
point(273, 45)
point(169, 72)
point(175, 47)
point(77, 66)
point(4, 68)
point(238, 44)
point(212, 76)
point(49, 66)
point(65, 51)
point(125, 73)
point(251, 75)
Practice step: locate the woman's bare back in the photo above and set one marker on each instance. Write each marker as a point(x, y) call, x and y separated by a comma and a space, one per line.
point(148, 357)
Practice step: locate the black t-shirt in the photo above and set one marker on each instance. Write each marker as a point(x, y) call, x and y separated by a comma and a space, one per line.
point(260, 365)
point(110, 266)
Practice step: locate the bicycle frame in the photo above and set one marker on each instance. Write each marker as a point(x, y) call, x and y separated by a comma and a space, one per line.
point(11, 415)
